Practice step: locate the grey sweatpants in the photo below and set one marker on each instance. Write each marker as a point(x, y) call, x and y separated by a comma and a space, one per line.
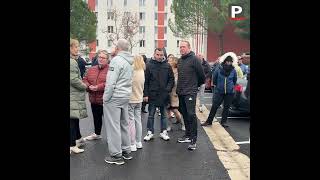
point(116, 119)
point(135, 126)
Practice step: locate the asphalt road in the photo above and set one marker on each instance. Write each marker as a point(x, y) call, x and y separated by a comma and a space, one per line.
point(238, 127)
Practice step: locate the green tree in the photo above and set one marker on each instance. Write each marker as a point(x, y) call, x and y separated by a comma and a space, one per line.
point(83, 22)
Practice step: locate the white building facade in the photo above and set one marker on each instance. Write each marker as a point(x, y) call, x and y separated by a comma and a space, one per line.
point(153, 21)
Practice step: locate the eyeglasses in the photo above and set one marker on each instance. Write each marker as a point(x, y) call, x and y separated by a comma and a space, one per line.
point(102, 57)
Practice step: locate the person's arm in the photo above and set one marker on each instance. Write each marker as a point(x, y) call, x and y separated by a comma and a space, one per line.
point(199, 72)
point(75, 81)
point(111, 80)
point(235, 78)
point(215, 77)
point(146, 82)
point(101, 86)
point(170, 80)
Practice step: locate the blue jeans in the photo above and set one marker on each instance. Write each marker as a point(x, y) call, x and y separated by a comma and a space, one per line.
point(163, 119)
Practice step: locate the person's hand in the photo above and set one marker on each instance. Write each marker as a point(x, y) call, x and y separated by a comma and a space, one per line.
point(93, 88)
point(145, 99)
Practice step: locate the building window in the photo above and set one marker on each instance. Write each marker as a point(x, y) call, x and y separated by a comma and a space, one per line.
point(166, 2)
point(110, 15)
point(142, 43)
point(155, 43)
point(142, 29)
point(109, 43)
point(165, 43)
point(156, 16)
point(125, 2)
point(142, 2)
point(156, 30)
point(109, 2)
point(142, 16)
point(110, 29)
point(165, 30)
point(178, 42)
point(165, 16)
point(97, 42)
point(96, 13)
point(155, 2)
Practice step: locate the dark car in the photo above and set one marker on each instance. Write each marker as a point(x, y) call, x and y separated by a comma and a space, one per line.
point(240, 106)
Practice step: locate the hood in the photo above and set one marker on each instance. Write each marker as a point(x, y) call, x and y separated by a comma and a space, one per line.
point(127, 56)
point(191, 53)
point(233, 55)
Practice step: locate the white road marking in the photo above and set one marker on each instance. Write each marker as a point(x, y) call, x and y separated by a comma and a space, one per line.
point(243, 142)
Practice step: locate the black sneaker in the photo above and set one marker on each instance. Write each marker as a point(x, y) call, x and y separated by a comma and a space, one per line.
point(206, 124)
point(126, 156)
point(114, 160)
point(184, 139)
point(192, 146)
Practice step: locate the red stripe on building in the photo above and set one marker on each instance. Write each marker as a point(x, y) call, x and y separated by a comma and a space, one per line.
point(93, 45)
point(161, 6)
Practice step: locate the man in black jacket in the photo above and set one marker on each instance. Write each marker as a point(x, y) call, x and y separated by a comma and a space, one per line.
point(159, 81)
point(190, 77)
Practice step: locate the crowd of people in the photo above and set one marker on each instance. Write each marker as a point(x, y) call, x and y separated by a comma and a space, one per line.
point(120, 86)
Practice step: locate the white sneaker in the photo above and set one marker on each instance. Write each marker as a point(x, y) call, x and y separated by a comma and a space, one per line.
point(76, 150)
point(183, 127)
point(172, 115)
point(133, 147)
point(80, 142)
point(148, 136)
point(169, 128)
point(93, 136)
point(139, 145)
point(201, 108)
point(164, 135)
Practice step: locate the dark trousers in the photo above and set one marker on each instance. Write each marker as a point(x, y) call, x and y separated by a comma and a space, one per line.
point(143, 107)
point(74, 131)
point(216, 102)
point(97, 112)
point(187, 106)
point(163, 118)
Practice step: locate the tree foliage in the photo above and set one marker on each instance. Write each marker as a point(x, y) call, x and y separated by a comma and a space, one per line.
point(83, 22)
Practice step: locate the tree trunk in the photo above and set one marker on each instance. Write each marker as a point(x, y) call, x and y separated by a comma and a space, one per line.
point(221, 44)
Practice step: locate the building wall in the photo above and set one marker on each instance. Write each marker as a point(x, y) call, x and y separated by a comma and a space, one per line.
point(232, 42)
point(149, 36)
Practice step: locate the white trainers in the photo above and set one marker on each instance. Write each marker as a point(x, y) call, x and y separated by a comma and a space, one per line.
point(93, 136)
point(80, 142)
point(183, 127)
point(201, 108)
point(76, 150)
point(164, 135)
point(172, 115)
point(133, 147)
point(169, 128)
point(158, 111)
point(148, 136)
point(139, 145)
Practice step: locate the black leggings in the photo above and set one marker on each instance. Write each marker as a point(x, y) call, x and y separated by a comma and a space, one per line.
point(97, 112)
point(74, 131)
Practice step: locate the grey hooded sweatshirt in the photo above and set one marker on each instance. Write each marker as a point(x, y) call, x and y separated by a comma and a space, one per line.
point(119, 77)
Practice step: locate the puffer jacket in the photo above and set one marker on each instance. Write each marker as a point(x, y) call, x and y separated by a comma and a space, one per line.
point(191, 74)
point(119, 77)
point(159, 81)
point(224, 84)
point(77, 92)
point(96, 76)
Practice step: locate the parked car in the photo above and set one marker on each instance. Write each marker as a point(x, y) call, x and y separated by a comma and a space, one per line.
point(240, 106)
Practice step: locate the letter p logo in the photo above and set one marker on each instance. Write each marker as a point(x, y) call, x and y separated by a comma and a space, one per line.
point(235, 10)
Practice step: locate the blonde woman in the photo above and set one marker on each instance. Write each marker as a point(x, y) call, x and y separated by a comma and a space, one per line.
point(135, 103)
point(174, 100)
